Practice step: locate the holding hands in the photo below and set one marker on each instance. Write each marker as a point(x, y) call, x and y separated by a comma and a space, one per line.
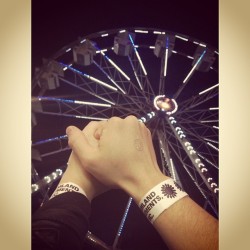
point(119, 153)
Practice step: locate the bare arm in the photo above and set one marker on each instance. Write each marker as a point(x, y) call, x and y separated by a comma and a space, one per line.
point(184, 225)
point(125, 158)
point(77, 174)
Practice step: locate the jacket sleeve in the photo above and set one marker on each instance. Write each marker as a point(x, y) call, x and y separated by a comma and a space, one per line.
point(61, 223)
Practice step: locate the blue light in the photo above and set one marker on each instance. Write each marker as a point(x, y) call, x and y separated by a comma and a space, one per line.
point(55, 99)
point(71, 68)
point(50, 140)
point(167, 43)
point(201, 56)
point(130, 37)
point(106, 57)
point(124, 217)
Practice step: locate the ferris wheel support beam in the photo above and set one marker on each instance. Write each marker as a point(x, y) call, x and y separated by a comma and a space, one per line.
point(95, 242)
point(166, 158)
point(46, 182)
point(192, 172)
point(212, 155)
point(191, 153)
point(55, 152)
point(36, 178)
point(124, 217)
point(207, 199)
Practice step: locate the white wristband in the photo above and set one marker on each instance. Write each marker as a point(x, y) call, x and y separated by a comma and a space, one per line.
point(67, 187)
point(160, 197)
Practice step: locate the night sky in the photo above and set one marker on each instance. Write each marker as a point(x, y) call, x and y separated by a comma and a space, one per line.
point(57, 23)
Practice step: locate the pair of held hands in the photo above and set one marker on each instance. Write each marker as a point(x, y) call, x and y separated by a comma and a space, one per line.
point(117, 153)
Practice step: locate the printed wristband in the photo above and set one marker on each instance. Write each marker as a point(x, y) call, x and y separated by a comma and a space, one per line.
point(67, 187)
point(160, 197)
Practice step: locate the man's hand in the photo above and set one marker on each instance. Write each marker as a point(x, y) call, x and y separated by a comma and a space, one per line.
point(122, 155)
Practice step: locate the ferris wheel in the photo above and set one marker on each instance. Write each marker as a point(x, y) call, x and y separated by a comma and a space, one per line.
point(169, 81)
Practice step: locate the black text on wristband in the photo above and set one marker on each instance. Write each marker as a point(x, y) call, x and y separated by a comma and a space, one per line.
point(67, 187)
point(160, 197)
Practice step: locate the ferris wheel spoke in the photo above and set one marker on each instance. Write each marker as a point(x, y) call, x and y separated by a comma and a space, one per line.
point(136, 76)
point(71, 108)
point(188, 77)
point(115, 66)
point(202, 116)
point(141, 79)
point(200, 128)
point(208, 161)
point(110, 78)
point(168, 166)
point(113, 71)
point(199, 99)
point(140, 71)
point(94, 85)
point(128, 87)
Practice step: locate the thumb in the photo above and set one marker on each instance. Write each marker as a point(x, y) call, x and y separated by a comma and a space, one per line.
point(78, 143)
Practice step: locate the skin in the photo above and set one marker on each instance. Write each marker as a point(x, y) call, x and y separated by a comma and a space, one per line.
point(76, 172)
point(119, 153)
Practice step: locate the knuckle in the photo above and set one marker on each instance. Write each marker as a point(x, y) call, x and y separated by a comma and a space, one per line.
point(92, 123)
point(131, 118)
point(115, 119)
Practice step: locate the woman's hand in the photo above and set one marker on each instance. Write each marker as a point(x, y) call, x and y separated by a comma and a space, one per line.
point(77, 174)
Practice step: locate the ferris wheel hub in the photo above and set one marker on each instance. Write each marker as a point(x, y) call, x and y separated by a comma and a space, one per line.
point(165, 104)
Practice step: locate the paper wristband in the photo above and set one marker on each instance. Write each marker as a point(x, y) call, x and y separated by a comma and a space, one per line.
point(67, 187)
point(160, 197)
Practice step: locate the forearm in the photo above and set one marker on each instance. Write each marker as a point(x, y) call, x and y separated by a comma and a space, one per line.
point(76, 174)
point(183, 225)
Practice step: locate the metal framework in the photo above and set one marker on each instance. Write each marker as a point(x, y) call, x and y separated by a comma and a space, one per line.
point(123, 81)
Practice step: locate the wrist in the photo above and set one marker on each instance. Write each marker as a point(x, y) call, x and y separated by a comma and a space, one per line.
point(73, 175)
point(78, 175)
point(137, 189)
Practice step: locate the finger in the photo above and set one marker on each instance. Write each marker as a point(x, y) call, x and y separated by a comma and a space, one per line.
point(91, 127)
point(79, 144)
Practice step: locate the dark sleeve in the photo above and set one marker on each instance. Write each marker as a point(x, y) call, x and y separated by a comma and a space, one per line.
point(61, 223)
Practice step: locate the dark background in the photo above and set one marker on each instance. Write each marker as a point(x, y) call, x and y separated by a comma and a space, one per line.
point(58, 23)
